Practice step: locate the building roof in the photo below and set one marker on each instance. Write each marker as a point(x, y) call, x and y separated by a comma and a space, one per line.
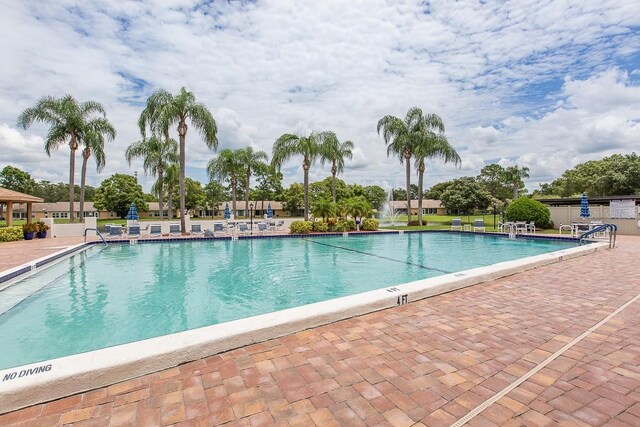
point(257, 205)
point(7, 196)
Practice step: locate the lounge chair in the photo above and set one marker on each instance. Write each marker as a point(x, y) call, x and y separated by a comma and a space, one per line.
point(262, 227)
point(115, 232)
point(218, 227)
point(133, 231)
point(456, 224)
point(196, 230)
point(531, 227)
point(242, 227)
point(174, 230)
point(155, 230)
point(279, 225)
point(478, 225)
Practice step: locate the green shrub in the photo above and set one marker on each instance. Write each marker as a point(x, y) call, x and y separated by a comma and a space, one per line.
point(349, 224)
point(11, 234)
point(370, 224)
point(340, 227)
point(526, 209)
point(301, 227)
point(321, 227)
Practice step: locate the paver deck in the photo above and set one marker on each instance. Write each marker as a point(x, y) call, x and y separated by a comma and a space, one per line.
point(426, 363)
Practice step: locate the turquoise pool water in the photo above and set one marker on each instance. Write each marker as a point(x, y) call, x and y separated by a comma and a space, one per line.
point(123, 293)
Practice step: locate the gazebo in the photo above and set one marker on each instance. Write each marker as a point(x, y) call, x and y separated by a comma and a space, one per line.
point(9, 197)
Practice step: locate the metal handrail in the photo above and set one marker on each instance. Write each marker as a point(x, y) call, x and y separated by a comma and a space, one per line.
point(96, 230)
point(613, 231)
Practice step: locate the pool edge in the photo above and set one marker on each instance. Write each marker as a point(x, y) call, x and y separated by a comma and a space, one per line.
point(86, 371)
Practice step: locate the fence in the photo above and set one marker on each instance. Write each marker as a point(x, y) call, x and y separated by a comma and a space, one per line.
point(569, 214)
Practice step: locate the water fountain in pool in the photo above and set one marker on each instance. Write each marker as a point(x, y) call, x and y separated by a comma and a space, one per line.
point(389, 215)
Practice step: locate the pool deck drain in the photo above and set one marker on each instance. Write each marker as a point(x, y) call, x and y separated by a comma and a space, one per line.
point(425, 363)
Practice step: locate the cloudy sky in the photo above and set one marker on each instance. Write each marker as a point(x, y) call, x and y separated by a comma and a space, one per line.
point(542, 83)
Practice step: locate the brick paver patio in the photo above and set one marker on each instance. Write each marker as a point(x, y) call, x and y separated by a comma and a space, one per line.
point(426, 363)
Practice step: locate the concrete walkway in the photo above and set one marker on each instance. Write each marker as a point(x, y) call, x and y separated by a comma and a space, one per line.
point(559, 345)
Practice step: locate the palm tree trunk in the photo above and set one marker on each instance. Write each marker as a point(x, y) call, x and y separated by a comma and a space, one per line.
point(246, 195)
point(334, 172)
point(86, 153)
point(160, 201)
point(407, 158)
point(233, 196)
point(515, 191)
point(72, 170)
point(182, 132)
point(170, 202)
point(420, 183)
point(305, 167)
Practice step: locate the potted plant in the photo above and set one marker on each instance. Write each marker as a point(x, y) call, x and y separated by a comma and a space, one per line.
point(42, 230)
point(28, 230)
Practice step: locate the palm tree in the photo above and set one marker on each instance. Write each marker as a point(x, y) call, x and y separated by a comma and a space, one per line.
point(157, 154)
point(94, 144)
point(335, 152)
point(323, 208)
point(515, 175)
point(251, 160)
point(170, 181)
point(227, 165)
point(67, 119)
point(290, 145)
point(399, 136)
point(164, 110)
point(430, 142)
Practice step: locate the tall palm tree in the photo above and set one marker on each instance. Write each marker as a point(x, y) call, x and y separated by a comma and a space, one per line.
point(399, 136)
point(290, 145)
point(67, 119)
point(227, 165)
point(430, 142)
point(164, 110)
point(515, 175)
point(93, 142)
point(251, 160)
point(157, 154)
point(335, 152)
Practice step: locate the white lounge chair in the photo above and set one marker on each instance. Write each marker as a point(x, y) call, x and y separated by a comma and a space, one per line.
point(478, 225)
point(174, 230)
point(155, 230)
point(115, 232)
point(196, 230)
point(242, 227)
point(456, 224)
point(133, 231)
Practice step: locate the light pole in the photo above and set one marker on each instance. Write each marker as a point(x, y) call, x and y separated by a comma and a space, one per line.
point(251, 216)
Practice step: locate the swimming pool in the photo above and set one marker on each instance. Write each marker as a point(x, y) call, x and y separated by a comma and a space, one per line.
point(115, 294)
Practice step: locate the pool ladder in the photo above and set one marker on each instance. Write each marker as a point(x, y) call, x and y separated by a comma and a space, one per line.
point(97, 232)
point(611, 228)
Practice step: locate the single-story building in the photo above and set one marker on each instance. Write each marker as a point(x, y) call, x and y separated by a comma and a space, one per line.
point(259, 209)
point(429, 207)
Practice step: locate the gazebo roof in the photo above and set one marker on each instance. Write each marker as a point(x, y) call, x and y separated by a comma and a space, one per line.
point(10, 196)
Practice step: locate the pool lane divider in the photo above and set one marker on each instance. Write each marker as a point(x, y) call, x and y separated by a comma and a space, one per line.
point(49, 380)
point(413, 264)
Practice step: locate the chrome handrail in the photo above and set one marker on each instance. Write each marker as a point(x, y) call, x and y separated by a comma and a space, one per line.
point(613, 231)
point(96, 230)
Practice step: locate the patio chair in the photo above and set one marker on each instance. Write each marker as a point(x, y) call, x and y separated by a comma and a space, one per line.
point(174, 230)
point(155, 230)
point(478, 225)
point(279, 226)
point(115, 232)
point(567, 227)
point(262, 227)
point(133, 231)
point(196, 230)
point(218, 227)
point(456, 224)
point(531, 227)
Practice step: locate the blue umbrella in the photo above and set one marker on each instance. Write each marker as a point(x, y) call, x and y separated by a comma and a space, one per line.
point(227, 211)
point(584, 207)
point(269, 211)
point(133, 213)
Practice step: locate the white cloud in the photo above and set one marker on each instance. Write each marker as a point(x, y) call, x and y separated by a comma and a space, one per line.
point(543, 82)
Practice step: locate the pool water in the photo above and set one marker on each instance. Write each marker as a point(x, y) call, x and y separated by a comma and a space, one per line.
point(109, 295)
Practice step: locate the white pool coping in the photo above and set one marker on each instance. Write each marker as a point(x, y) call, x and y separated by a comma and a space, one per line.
point(49, 380)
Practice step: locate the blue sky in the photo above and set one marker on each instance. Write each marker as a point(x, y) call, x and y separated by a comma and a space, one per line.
point(545, 84)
